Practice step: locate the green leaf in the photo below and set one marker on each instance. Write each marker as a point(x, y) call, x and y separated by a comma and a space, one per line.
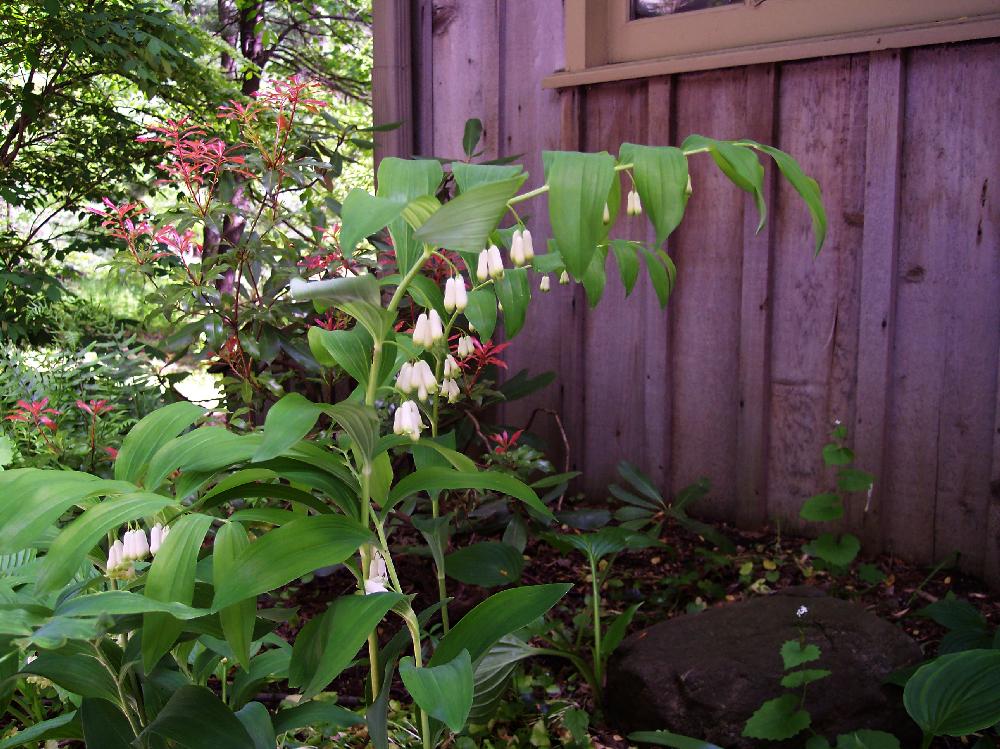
point(807, 187)
point(78, 538)
point(315, 715)
point(435, 478)
point(666, 738)
point(822, 507)
point(470, 138)
point(196, 719)
point(579, 184)
point(214, 446)
point(65, 726)
point(837, 551)
point(488, 564)
point(328, 643)
point(105, 725)
point(595, 279)
point(641, 483)
point(269, 665)
point(482, 311)
point(661, 178)
point(79, 673)
point(627, 259)
point(404, 180)
point(777, 719)
point(464, 223)
point(854, 480)
point(363, 214)
point(662, 274)
point(794, 654)
point(837, 455)
point(237, 620)
point(149, 435)
point(618, 628)
point(492, 676)
point(351, 350)
point(339, 292)
point(171, 578)
point(120, 602)
point(798, 679)
point(601, 543)
point(514, 294)
point(739, 164)
point(497, 616)
point(287, 553)
point(866, 739)
point(292, 417)
point(257, 722)
point(468, 176)
point(956, 694)
point(444, 691)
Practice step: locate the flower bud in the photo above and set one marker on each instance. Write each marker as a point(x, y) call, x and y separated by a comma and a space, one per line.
point(483, 268)
point(517, 249)
point(450, 389)
point(563, 278)
point(543, 285)
point(633, 204)
point(435, 328)
point(116, 555)
point(529, 249)
point(140, 546)
point(606, 218)
point(688, 190)
point(494, 262)
point(465, 346)
point(449, 295)
point(155, 538)
point(421, 332)
point(451, 368)
point(461, 294)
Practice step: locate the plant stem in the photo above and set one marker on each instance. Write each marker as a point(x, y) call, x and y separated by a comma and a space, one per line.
point(418, 660)
point(596, 595)
point(926, 743)
point(442, 585)
point(122, 699)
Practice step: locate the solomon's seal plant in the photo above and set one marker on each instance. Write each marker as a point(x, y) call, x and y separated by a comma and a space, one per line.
point(172, 648)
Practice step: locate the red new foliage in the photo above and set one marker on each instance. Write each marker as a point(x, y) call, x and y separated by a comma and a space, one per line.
point(35, 413)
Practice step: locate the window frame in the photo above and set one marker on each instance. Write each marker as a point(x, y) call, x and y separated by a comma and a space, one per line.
point(604, 43)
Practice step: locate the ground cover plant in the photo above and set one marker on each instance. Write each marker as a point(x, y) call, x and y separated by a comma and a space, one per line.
point(139, 601)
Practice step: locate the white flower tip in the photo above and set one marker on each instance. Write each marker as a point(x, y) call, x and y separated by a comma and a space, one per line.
point(544, 285)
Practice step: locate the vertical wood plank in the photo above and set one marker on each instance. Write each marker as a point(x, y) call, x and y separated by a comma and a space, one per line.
point(392, 78)
point(614, 331)
point(991, 543)
point(526, 118)
point(422, 41)
point(466, 73)
point(879, 252)
point(963, 209)
point(755, 315)
point(814, 319)
point(705, 309)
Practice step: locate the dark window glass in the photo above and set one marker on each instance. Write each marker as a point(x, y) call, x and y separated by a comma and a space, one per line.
point(651, 8)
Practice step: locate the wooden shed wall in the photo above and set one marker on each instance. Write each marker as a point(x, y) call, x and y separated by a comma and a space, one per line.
point(894, 328)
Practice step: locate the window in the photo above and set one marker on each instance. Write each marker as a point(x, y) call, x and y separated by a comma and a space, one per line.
point(609, 40)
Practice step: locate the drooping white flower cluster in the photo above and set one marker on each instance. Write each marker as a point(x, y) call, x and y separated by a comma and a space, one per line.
point(452, 372)
point(456, 297)
point(407, 420)
point(416, 377)
point(633, 206)
point(428, 329)
point(133, 547)
point(378, 575)
point(521, 248)
point(490, 264)
point(465, 346)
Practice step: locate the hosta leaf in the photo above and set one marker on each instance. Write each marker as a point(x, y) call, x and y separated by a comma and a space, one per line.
point(287, 553)
point(579, 184)
point(444, 691)
point(956, 694)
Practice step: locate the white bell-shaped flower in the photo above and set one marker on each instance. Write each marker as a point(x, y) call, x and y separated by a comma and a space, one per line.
point(494, 262)
point(451, 390)
point(449, 295)
point(563, 278)
point(461, 294)
point(517, 248)
point(529, 248)
point(465, 346)
point(483, 266)
point(633, 206)
point(404, 380)
point(422, 379)
point(422, 332)
point(378, 575)
point(544, 285)
point(137, 547)
point(155, 538)
point(435, 327)
point(407, 420)
point(116, 556)
point(451, 368)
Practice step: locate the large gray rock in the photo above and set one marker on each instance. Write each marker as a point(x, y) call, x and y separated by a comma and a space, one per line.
point(704, 674)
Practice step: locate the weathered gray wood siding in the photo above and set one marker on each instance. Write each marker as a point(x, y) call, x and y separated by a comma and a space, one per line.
point(894, 329)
